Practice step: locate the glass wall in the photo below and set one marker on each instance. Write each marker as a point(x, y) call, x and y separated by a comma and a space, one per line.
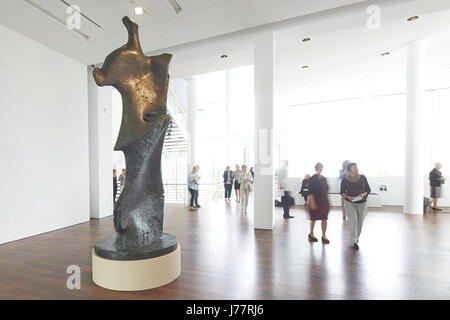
point(212, 97)
point(368, 131)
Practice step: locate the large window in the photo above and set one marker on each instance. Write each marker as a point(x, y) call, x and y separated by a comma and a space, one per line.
point(370, 132)
point(211, 124)
point(440, 129)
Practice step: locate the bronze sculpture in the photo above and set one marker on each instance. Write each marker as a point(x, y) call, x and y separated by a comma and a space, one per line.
point(138, 213)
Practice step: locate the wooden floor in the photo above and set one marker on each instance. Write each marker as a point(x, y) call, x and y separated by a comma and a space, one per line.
point(223, 257)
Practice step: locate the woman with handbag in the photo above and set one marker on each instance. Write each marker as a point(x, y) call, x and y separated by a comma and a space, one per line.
point(245, 181)
point(318, 203)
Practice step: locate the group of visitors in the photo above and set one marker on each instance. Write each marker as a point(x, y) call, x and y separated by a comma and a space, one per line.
point(241, 179)
point(354, 191)
point(118, 187)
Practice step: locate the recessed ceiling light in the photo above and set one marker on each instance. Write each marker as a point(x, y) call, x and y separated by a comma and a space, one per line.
point(385, 53)
point(306, 39)
point(224, 56)
point(138, 10)
point(413, 18)
point(305, 67)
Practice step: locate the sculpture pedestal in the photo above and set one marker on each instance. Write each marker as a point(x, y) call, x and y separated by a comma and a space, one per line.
point(135, 275)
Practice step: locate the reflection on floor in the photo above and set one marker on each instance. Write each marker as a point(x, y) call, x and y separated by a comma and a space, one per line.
point(223, 257)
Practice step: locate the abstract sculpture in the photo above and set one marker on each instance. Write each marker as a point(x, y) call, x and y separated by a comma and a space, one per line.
point(138, 213)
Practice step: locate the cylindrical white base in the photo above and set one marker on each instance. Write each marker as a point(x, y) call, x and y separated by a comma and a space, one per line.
point(135, 275)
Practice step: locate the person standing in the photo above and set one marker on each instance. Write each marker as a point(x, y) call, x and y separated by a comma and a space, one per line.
point(318, 203)
point(288, 202)
point(114, 185)
point(355, 189)
point(245, 180)
point(122, 178)
point(237, 187)
point(436, 180)
point(228, 179)
point(304, 189)
point(342, 174)
point(193, 183)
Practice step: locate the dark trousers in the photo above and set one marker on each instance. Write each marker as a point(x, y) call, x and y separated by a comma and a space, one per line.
point(286, 209)
point(228, 188)
point(194, 197)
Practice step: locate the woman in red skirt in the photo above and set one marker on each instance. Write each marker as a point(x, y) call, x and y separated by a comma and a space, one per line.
point(318, 203)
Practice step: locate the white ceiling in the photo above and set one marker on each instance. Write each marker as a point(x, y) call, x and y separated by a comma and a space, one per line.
point(159, 29)
point(346, 61)
point(339, 37)
point(343, 55)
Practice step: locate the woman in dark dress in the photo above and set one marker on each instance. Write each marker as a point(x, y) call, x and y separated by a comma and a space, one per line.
point(318, 203)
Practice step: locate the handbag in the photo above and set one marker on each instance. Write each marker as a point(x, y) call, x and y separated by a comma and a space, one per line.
point(251, 186)
point(311, 202)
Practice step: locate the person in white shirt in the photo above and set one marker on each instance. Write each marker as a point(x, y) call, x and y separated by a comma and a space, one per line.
point(245, 180)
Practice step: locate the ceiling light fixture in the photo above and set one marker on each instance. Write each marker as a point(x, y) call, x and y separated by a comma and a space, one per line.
point(306, 39)
point(138, 10)
point(413, 18)
point(175, 6)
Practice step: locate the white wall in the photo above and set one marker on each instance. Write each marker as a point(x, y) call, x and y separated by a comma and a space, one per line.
point(43, 139)
point(100, 148)
point(118, 156)
point(394, 195)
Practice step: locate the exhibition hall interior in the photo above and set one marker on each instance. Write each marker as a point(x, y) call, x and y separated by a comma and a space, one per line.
point(225, 149)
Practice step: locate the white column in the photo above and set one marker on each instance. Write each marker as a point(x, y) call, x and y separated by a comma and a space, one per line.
point(415, 127)
point(228, 141)
point(191, 114)
point(100, 149)
point(264, 171)
point(191, 126)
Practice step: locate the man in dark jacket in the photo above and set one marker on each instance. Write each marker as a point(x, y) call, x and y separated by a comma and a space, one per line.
point(228, 179)
point(436, 180)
